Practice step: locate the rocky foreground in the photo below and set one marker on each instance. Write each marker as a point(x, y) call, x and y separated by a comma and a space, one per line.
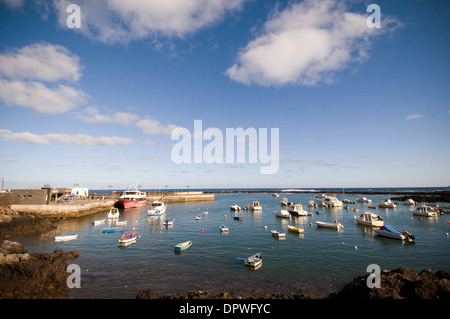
point(402, 283)
point(29, 276)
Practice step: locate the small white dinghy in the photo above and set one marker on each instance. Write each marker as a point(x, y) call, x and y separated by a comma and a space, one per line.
point(98, 222)
point(334, 225)
point(277, 234)
point(66, 237)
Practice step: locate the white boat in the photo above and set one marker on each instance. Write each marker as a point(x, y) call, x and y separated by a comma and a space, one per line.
point(66, 237)
point(275, 195)
point(236, 208)
point(364, 200)
point(278, 234)
point(392, 232)
point(348, 201)
point(98, 222)
point(254, 261)
point(370, 219)
point(283, 213)
point(121, 223)
point(198, 217)
point(408, 201)
point(387, 204)
point(255, 206)
point(113, 213)
point(334, 225)
point(311, 203)
point(128, 239)
point(297, 210)
point(425, 210)
point(284, 201)
point(158, 209)
point(329, 201)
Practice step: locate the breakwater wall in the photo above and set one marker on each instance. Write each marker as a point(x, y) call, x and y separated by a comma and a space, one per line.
point(79, 208)
point(65, 210)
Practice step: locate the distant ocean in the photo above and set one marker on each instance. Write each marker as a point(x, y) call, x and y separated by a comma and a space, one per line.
point(334, 190)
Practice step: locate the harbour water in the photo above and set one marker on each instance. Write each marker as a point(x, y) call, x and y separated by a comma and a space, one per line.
point(316, 263)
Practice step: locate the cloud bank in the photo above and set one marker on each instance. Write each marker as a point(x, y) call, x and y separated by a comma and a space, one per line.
point(306, 44)
point(112, 21)
point(40, 76)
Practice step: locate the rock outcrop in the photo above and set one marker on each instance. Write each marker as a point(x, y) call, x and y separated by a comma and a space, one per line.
point(31, 276)
point(402, 283)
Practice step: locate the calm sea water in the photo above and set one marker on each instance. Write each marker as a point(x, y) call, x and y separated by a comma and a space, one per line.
point(318, 262)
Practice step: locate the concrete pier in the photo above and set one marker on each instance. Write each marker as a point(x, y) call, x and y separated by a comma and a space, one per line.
point(102, 202)
point(79, 209)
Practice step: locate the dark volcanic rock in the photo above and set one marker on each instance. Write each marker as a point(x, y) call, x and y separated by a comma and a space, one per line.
point(14, 224)
point(26, 276)
point(402, 283)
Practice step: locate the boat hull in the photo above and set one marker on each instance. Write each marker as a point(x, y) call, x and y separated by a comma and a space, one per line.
point(329, 225)
point(131, 203)
point(183, 246)
point(113, 230)
point(66, 237)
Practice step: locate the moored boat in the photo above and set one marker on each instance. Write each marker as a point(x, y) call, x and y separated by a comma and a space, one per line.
point(392, 232)
point(370, 219)
point(278, 234)
point(128, 239)
point(387, 204)
point(283, 213)
point(132, 197)
point(183, 246)
point(297, 210)
point(66, 237)
point(425, 210)
point(364, 200)
point(255, 206)
point(98, 222)
point(408, 201)
point(158, 209)
point(224, 229)
point(235, 208)
point(113, 213)
point(254, 261)
point(334, 225)
point(295, 229)
point(113, 229)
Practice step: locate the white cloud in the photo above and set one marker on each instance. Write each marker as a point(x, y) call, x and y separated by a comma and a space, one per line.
point(92, 115)
point(41, 61)
point(125, 21)
point(23, 71)
point(79, 139)
point(152, 127)
point(414, 116)
point(306, 44)
point(37, 96)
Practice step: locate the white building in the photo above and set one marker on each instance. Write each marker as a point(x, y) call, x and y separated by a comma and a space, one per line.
point(79, 191)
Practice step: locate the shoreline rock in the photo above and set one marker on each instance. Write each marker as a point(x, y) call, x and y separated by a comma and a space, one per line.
point(35, 276)
point(13, 224)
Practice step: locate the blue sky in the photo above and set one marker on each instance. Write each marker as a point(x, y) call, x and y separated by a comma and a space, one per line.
point(355, 106)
